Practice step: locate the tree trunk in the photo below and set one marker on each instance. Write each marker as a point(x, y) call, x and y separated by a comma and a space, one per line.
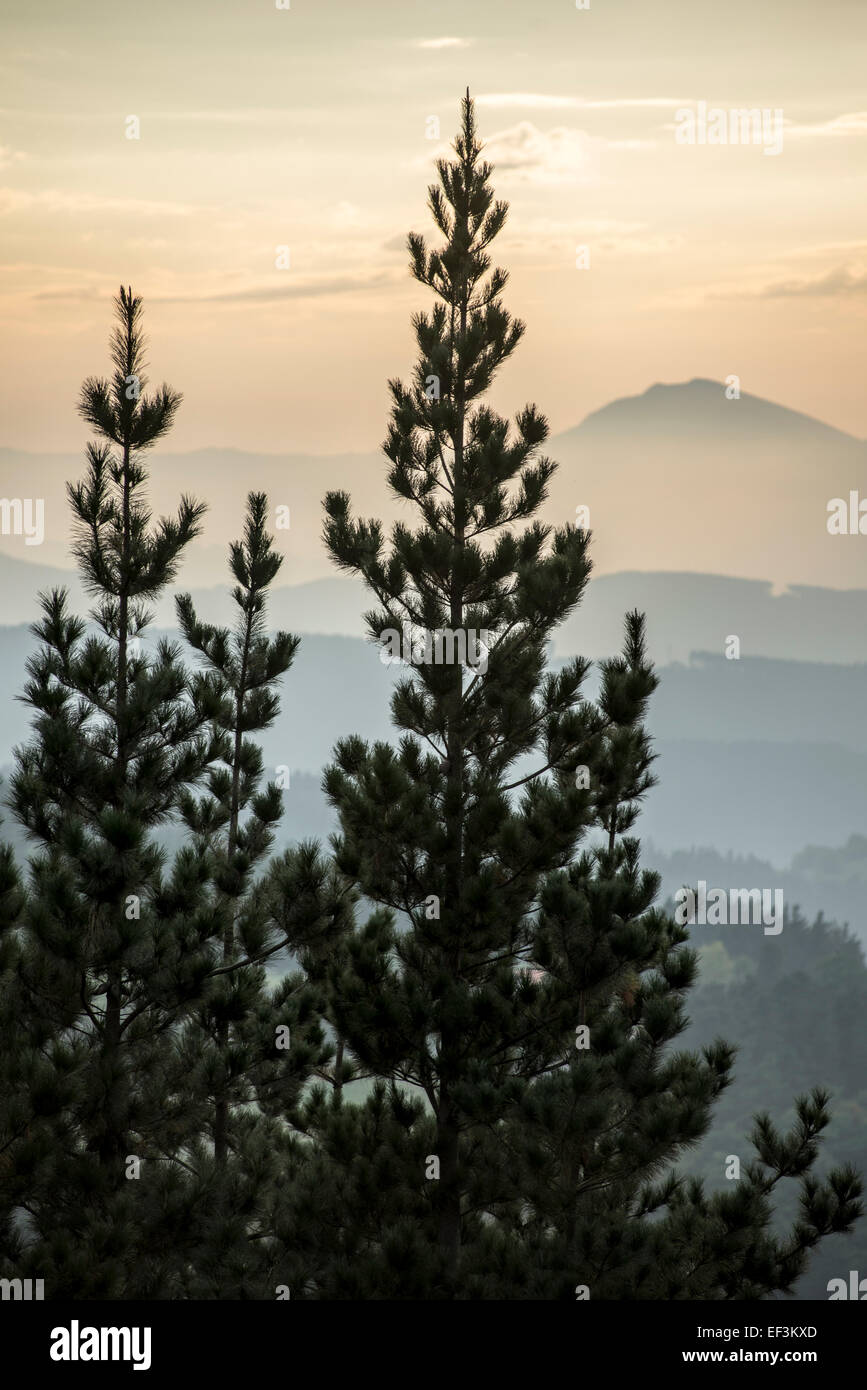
point(112, 1145)
point(221, 1108)
point(448, 1128)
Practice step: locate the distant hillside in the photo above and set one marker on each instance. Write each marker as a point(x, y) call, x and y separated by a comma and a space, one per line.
point(832, 881)
point(685, 612)
point(755, 756)
point(700, 408)
point(677, 479)
point(750, 797)
point(338, 685)
point(682, 478)
point(761, 699)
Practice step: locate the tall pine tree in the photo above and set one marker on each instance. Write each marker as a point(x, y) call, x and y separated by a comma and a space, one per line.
point(515, 990)
point(115, 949)
point(150, 1073)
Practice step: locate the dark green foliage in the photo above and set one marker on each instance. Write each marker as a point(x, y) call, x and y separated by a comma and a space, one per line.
point(796, 1004)
point(143, 1117)
point(114, 948)
point(504, 1152)
point(480, 1096)
point(250, 1048)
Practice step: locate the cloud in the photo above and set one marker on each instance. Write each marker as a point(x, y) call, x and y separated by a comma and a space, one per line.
point(554, 238)
point(50, 200)
point(828, 248)
point(563, 154)
point(81, 294)
point(310, 288)
point(313, 287)
point(398, 242)
point(560, 155)
point(554, 156)
point(442, 43)
point(347, 217)
point(853, 123)
point(555, 229)
point(642, 246)
point(242, 115)
point(9, 156)
point(541, 102)
point(838, 282)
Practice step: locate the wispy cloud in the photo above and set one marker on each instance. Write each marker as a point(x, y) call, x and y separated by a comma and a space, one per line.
point(841, 281)
point(555, 229)
point(829, 248)
point(552, 156)
point(838, 282)
point(311, 287)
point(228, 115)
point(9, 156)
point(442, 43)
point(541, 102)
point(549, 240)
point(50, 200)
point(563, 154)
point(238, 115)
point(398, 242)
point(852, 123)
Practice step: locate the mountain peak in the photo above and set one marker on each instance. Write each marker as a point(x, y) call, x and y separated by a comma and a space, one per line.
point(702, 407)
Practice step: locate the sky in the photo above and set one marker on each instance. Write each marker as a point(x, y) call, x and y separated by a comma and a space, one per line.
point(314, 128)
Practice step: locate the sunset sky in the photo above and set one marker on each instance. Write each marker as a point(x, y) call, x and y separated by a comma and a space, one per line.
point(307, 128)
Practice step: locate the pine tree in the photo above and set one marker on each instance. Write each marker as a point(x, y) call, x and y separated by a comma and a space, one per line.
point(146, 1128)
point(515, 990)
point(22, 1069)
point(114, 950)
point(152, 1074)
point(243, 668)
point(250, 1049)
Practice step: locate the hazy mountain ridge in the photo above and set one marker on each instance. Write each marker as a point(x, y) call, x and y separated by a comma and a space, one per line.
point(731, 487)
point(686, 613)
point(764, 755)
point(660, 408)
point(757, 756)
